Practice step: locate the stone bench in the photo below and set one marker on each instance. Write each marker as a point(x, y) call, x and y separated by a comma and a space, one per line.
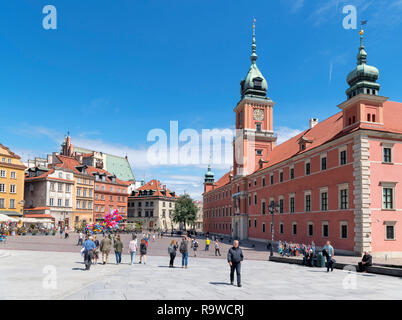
point(376, 269)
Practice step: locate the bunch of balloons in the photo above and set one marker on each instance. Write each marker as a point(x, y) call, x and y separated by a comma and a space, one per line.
point(111, 221)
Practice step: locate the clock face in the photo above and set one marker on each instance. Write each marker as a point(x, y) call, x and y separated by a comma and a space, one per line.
point(258, 114)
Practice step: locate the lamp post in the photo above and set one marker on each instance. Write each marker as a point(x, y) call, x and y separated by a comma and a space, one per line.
point(272, 208)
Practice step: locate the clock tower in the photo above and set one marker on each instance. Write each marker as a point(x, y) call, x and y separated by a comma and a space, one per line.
point(255, 137)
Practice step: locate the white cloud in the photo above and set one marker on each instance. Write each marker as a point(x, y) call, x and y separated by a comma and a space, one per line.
point(285, 133)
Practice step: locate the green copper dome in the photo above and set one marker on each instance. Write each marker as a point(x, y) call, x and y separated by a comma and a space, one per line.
point(254, 83)
point(209, 176)
point(362, 79)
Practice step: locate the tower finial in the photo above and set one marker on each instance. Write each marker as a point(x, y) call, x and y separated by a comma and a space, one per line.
point(362, 55)
point(253, 56)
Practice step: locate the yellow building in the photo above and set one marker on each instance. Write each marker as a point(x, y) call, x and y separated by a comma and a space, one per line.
point(11, 183)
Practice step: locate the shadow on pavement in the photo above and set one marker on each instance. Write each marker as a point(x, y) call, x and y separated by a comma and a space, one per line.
point(220, 283)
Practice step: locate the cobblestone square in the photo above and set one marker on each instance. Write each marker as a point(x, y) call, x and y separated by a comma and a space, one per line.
point(59, 274)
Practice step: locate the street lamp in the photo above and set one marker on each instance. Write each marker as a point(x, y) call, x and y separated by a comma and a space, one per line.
point(272, 208)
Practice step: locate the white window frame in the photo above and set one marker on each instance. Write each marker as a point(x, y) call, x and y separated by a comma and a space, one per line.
point(387, 224)
point(324, 155)
point(388, 185)
point(390, 146)
point(281, 197)
point(307, 192)
point(308, 161)
point(340, 149)
point(343, 186)
point(292, 195)
point(324, 190)
point(13, 188)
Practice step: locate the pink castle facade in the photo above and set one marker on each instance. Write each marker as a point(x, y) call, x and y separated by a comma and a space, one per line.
point(339, 180)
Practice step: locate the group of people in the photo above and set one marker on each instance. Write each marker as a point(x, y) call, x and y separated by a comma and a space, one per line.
point(310, 254)
point(91, 248)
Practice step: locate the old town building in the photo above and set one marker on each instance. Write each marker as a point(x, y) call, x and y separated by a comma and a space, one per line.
point(152, 205)
point(198, 223)
point(11, 183)
point(110, 193)
point(98, 192)
point(49, 193)
point(339, 180)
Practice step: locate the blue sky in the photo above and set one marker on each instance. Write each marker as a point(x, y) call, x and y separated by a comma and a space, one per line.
point(114, 70)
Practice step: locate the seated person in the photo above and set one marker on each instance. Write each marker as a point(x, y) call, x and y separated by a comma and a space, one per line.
point(310, 258)
point(366, 262)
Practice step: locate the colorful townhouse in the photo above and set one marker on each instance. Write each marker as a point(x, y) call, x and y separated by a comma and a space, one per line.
point(152, 206)
point(11, 183)
point(110, 194)
point(49, 194)
point(98, 192)
point(339, 180)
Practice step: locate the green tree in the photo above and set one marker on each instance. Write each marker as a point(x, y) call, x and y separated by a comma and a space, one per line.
point(185, 210)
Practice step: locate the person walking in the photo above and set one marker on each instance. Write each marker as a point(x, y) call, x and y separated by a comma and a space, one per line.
point(89, 247)
point(195, 246)
point(118, 248)
point(132, 248)
point(235, 257)
point(96, 251)
point(184, 252)
point(328, 251)
point(105, 246)
point(207, 243)
point(143, 251)
point(80, 238)
point(217, 249)
point(61, 232)
point(172, 249)
point(367, 261)
point(66, 233)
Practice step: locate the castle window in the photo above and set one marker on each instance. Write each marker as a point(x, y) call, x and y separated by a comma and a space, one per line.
point(258, 126)
point(369, 117)
point(373, 118)
point(259, 152)
point(387, 155)
point(292, 173)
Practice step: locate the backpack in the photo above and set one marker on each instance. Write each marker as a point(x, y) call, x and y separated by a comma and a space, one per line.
point(195, 244)
point(171, 249)
point(143, 248)
point(182, 247)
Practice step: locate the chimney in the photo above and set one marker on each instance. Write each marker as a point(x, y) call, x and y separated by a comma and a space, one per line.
point(313, 122)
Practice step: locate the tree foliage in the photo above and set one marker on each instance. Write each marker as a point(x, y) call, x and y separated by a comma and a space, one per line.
point(185, 210)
